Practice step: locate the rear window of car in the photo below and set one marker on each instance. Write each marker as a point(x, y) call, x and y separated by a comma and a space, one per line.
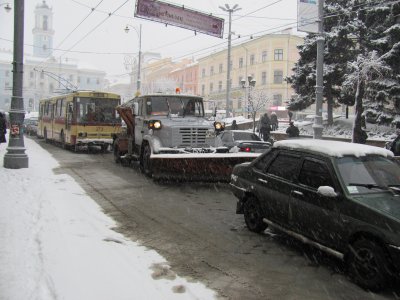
point(285, 166)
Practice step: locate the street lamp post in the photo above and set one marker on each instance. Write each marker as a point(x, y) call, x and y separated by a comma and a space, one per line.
point(139, 33)
point(228, 76)
point(15, 158)
point(251, 84)
point(319, 88)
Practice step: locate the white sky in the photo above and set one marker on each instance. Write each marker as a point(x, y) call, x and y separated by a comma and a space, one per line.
point(169, 41)
point(57, 244)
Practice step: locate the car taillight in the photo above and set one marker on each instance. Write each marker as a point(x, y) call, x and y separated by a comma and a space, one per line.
point(245, 149)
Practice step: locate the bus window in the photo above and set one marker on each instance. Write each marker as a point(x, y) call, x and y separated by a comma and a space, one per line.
point(96, 110)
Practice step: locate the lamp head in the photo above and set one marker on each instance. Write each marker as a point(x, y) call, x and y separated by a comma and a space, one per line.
point(7, 8)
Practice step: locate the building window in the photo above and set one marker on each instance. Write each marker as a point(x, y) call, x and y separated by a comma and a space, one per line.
point(6, 84)
point(252, 59)
point(211, 87)
point(220, 86)
point(264, 56)
point(221, 68)
point(277, 100)
point(31, 84)
point(31, 74)
point(88, 80)
point(239, 103)
point(278, 54)
point(79, 79)
point(44, 47)
point(240, 62)
point(51, 88)
point(211, 70)
point(203, 73)
point(98, 80)
point(203, 88)
point(7, 73)
point(264, 78)
point(41, 75)
point(71, 78)
point(278, 77)
point(240, 81)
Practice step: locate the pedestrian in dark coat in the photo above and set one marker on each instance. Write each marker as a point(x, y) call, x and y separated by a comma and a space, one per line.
point(274, 121)
point(292, 130)
point(395, 145)
point(265, 127)
point(3, 128)
point(234, 125)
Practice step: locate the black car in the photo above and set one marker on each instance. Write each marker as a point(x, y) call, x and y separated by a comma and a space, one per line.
point(241, 141)
point(342, 198)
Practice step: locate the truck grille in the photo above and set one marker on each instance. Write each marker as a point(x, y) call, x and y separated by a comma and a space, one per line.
point(191, 137)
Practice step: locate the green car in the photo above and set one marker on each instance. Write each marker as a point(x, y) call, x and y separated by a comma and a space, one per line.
point(342, 198)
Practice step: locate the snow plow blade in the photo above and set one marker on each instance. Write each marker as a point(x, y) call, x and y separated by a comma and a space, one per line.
point(198, 167)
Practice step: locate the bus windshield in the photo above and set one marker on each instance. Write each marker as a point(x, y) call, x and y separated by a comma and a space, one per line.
point(174, 106)
point(96, 110)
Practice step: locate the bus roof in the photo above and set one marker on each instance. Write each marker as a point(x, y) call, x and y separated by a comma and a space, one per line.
point(84, 94)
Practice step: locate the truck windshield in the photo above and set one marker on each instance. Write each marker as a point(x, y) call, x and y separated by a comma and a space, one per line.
point(175, 106)
point(96, 110)
point(369, 174)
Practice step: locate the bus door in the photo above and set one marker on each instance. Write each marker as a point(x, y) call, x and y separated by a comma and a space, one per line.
point(70, 113)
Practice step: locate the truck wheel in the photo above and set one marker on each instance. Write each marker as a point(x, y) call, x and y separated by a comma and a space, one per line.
point(253, 215)
point(367, 265)
point(145, 162)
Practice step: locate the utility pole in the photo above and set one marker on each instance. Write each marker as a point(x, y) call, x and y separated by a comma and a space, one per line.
point(319, 88)
point(138, 82)
point(228, 76)
point(15, 158)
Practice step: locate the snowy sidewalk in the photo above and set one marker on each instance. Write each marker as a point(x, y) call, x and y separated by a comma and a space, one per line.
point(56, 243)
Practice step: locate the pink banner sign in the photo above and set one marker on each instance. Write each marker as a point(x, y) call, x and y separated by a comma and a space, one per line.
point(179, 16)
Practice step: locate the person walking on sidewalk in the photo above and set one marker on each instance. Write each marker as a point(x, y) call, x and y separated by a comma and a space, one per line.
point(3, 128)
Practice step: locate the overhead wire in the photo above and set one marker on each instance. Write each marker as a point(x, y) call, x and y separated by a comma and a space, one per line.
point(219, 44)
point(76, 27)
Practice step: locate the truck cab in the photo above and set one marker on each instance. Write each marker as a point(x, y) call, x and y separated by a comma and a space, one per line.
point(164, 124)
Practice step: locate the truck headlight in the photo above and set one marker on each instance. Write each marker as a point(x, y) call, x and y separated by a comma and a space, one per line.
point(219, 126)
point(154, 124)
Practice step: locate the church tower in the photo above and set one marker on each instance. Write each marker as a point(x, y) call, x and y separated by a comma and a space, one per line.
point(43, 31)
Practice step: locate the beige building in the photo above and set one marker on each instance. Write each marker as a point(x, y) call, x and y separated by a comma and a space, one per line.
point(268, 59)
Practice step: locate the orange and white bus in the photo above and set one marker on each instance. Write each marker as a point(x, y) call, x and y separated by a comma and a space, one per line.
point(80, 119)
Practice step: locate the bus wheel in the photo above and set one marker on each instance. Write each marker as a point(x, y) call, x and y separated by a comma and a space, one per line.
point(62, 140)
point(104, 148)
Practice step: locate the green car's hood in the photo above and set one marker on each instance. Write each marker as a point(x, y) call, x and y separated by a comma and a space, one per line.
point(384, 202)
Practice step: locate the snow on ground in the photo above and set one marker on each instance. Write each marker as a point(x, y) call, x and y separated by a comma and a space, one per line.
point(56, 243)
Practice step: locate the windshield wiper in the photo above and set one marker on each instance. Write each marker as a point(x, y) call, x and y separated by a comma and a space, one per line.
point(369, 186)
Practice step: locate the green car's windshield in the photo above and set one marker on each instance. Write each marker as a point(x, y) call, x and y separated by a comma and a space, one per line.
point(369, 174)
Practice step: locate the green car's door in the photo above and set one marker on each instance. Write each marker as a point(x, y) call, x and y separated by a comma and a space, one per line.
point(274, 185)
point(315, 215)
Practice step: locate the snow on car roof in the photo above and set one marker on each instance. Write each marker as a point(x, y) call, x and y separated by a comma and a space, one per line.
point(333, 148)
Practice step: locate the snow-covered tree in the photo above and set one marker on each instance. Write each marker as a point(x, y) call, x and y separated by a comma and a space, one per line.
point(363, 73)
point(257, 101)
point(339, 49)
point(351, 28)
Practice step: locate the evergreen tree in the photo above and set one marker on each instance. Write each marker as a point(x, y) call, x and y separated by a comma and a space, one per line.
point(339, 49)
